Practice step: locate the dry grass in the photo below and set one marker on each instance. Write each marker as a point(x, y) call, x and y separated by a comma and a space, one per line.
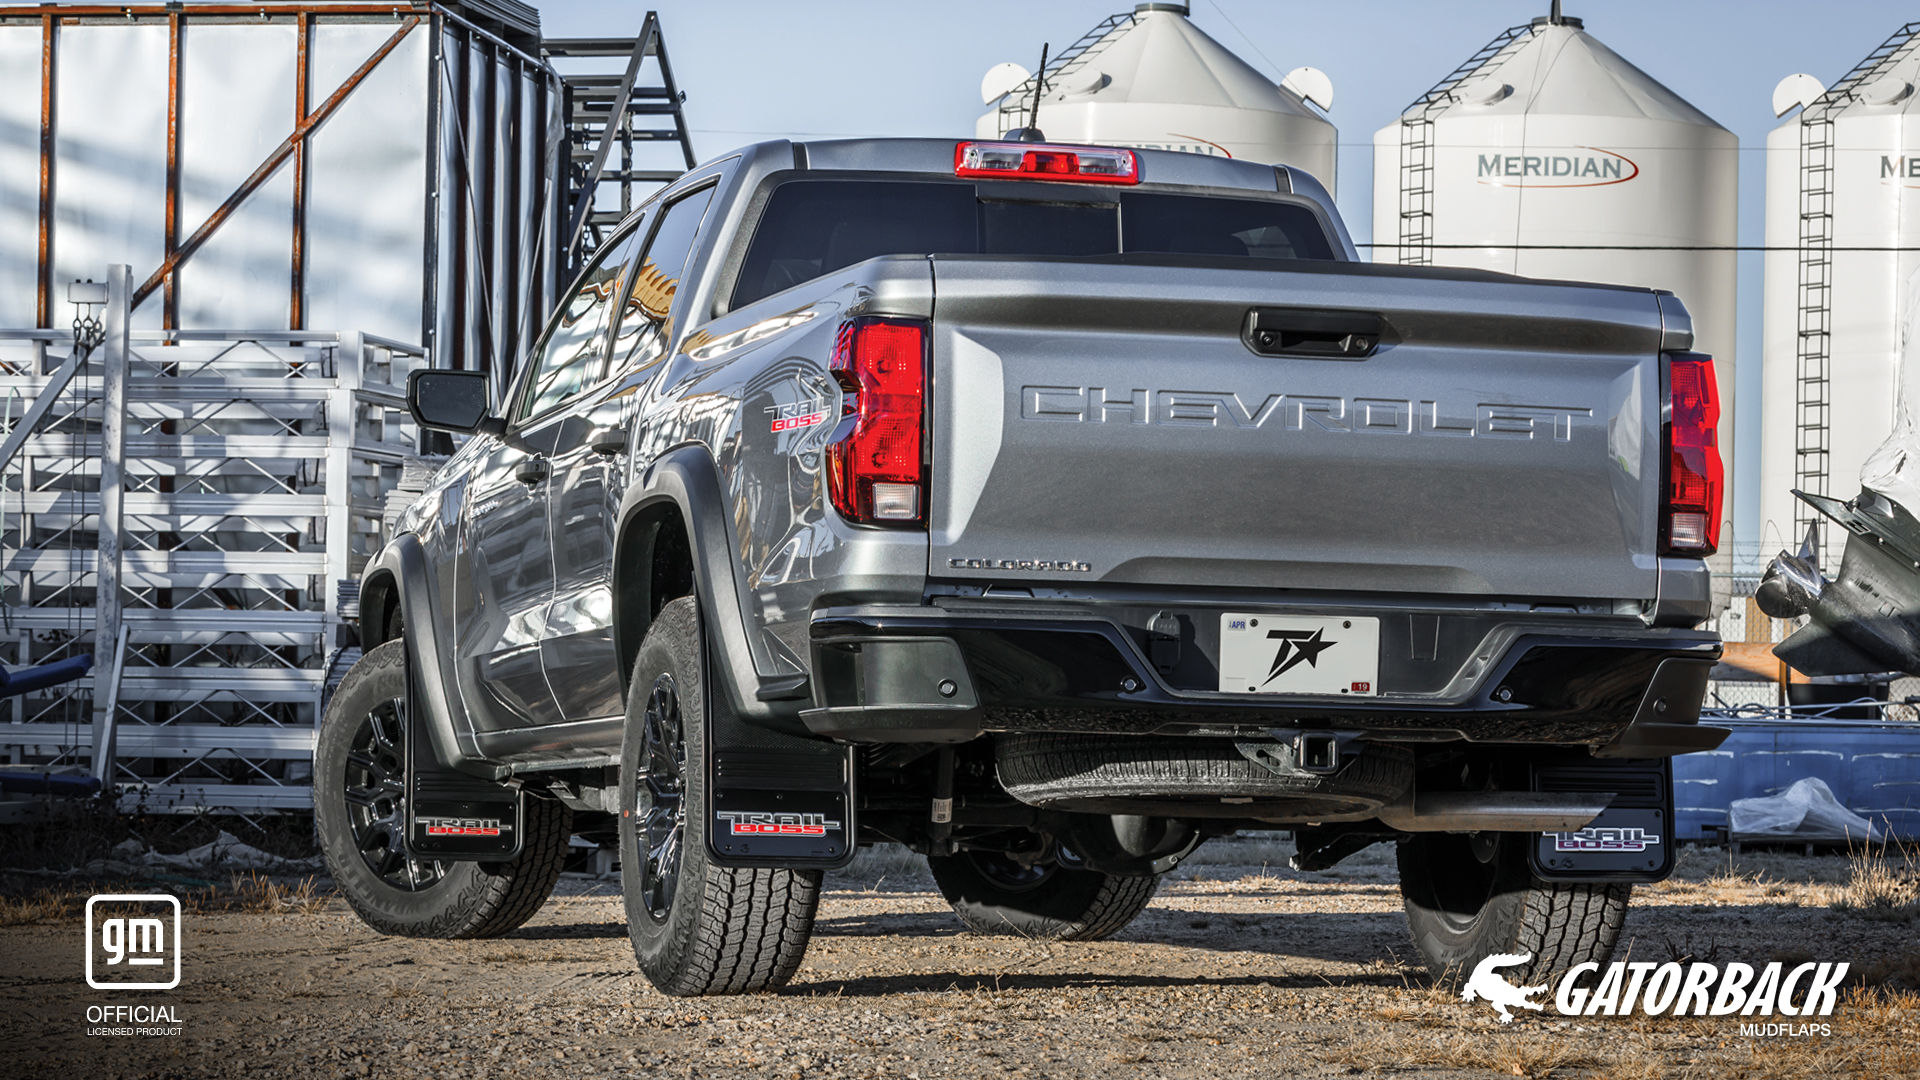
point(49, 905)
point(250, 892)
point(257, 894)
point(1878, 887)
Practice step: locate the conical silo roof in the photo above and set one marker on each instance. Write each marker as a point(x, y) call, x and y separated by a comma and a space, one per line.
point(1162, 58)
point(1559, 68)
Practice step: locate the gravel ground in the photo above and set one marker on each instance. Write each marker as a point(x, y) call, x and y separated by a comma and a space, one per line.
point(1240, 968)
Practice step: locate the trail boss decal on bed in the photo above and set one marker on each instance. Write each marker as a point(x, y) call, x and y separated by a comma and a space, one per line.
point(762, 823)
point(796, 415)
point(1671, 989)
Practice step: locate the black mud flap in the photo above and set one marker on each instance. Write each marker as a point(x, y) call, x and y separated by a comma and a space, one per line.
point(453, 815)
point(779, 800)
point(1631, 840)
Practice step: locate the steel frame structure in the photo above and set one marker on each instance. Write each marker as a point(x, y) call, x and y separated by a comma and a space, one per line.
point(194, 506)
point(185, 510)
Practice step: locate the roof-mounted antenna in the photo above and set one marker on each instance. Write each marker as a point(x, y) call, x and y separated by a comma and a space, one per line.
point(1554, 15)
point(1032, 133)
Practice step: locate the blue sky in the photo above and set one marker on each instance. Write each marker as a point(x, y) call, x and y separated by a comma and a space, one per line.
point(759, 69)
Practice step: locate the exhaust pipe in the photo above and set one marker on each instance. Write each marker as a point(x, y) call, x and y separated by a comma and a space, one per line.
point(1495, 811)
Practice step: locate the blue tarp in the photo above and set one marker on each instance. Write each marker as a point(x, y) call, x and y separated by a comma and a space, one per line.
point(1872, 766)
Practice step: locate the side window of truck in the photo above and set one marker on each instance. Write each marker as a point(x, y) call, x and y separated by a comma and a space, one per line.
point(645, 326)
point(569, 359)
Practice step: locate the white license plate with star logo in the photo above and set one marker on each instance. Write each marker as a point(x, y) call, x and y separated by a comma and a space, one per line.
point(1290, 654)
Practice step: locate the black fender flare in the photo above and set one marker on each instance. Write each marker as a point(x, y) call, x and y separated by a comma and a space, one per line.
point(688, 478)
point(449, 736)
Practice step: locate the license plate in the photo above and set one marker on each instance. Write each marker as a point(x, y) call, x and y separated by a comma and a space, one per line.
point(1287, 654)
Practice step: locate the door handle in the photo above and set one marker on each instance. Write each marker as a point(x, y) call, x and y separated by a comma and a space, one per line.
point(1331, 335)
point(531, 471)
point(608, 441)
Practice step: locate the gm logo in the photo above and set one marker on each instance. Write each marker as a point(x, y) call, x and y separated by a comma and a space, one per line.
point(127, 940)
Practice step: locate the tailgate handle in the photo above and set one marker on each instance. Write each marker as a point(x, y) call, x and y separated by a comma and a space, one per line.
point(1332, 335)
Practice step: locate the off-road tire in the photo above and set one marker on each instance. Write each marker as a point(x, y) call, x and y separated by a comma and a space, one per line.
point(1065, 905)
point(472, 899)
point(726, 930)
point(1462, 910)
point(1185, 776)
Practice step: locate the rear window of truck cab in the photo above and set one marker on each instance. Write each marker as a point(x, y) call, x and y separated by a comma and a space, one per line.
point(814, 227)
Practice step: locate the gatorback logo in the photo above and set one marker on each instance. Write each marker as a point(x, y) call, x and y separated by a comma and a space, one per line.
point(1670, 989)
point(1591, 839)
point(1228, 410)
point(1594, 168)
point(765, 823)
point(447, 826)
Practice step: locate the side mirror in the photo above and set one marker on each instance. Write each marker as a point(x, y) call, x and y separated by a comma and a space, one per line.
point(449, 400)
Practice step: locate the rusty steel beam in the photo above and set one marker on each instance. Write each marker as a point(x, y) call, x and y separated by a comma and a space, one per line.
point(251, 11)
point(302, 86)
point(170, 298)
point(43, 302)
point(273, 161)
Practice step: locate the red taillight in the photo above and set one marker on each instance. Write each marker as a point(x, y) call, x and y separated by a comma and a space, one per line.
point(1042, 161)
point(1690, 521)
point(876, 467)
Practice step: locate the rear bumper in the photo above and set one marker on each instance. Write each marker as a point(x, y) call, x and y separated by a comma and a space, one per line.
point(934, 675)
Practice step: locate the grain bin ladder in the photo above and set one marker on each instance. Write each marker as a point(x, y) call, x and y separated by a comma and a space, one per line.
point(1813, 356)
point(1416, 145)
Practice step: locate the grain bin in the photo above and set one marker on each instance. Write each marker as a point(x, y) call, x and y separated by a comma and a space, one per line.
point(1843, 226)
point(1151, 79)
point(1550, 155)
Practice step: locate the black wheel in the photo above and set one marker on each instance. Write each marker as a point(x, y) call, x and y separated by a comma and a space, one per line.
point(1469, 896)
point(696, 928)
point(997, 894)
point(360, 812)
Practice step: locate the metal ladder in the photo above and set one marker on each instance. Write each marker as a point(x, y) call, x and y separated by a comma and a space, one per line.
point(1813, 357)
point(1416, 146)
point(627, 108)
point(1013, 107)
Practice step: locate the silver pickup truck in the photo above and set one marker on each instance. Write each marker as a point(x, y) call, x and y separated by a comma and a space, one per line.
point(1048, 510)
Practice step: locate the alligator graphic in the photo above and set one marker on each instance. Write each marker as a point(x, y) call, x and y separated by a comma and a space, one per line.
point(1485, 983)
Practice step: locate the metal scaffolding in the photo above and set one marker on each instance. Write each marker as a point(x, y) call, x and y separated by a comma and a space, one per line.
point(184, 509)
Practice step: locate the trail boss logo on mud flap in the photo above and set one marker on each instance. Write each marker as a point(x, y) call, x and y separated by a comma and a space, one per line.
point(464, 826)
point(767, 823)
point(1671, 989)
point(1591, 839)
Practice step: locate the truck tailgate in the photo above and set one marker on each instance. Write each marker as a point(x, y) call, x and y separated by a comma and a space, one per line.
point(1105, 421)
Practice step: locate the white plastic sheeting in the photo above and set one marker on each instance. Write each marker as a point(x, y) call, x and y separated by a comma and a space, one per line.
point(109, 156)
point(236, 105)
point(19, 173)
point(1806, 810)
point(366, 199)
